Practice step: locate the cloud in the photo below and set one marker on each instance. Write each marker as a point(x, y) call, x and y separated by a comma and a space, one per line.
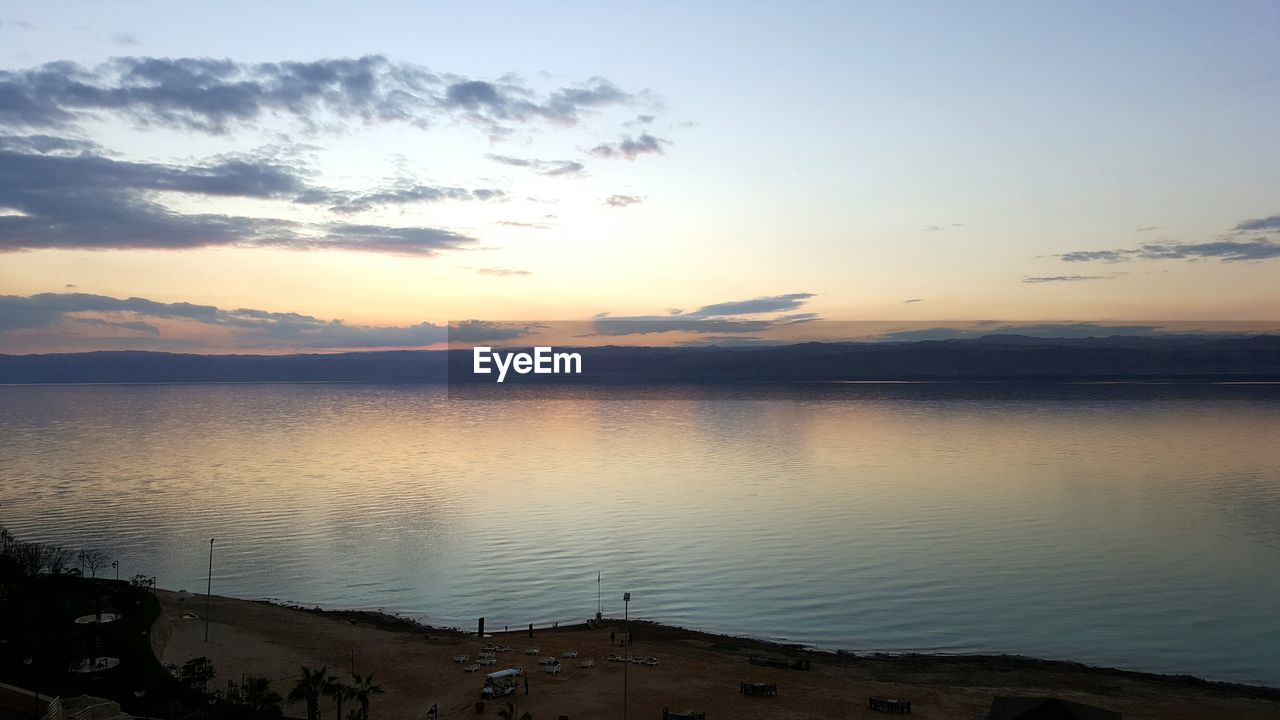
point(652, 325)
point(1259, 224)
point(64, 194)
point(1149, 228)
point(502, 272)
point(717, 318)
point(1096, 255)
point(755, 306)
point(126, 39)
point(402, 193)
point(60, 313)
point(933, 228)
point(1244, 243)
point(473, 331)
point(217, 96)
point(630, 148)
point(1224, 250)
point(621, 201)
point(1065, 278)
point(1040, 330)
point(913, 300)
point(550, 168)
point(532, 226)
point(491, 104)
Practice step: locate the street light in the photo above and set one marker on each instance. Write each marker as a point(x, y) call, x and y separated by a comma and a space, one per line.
point(208, 593)
point(626, 636)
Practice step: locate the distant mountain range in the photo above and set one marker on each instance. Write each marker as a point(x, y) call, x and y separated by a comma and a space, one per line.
point(993, 357)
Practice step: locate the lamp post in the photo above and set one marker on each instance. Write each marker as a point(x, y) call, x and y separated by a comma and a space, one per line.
point(208, 593)
point(626, 635)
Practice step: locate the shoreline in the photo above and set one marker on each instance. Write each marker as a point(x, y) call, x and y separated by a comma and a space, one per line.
point(418, 666)
point(396, 622)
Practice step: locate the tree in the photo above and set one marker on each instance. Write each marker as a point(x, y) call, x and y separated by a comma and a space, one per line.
point(196, 673)
point(255, 698)
point(309, 688)
point(339, 691)
point(362, 690)
point(94, 559)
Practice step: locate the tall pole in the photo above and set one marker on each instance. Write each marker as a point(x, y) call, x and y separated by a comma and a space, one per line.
point(626, 638)
point(208, 593)
point(599, 607)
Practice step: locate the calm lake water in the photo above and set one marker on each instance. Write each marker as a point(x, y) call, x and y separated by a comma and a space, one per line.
point(1125, 525)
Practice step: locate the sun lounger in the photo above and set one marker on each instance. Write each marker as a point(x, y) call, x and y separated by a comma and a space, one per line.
point(472, 667)
point(490, 660)
point(616, 658)
point(572, 654)
point(551, 667)
point(531, 651)
point(461, 658)
point(588, 663)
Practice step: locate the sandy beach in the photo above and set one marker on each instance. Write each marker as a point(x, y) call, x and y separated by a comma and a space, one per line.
point(695, 671)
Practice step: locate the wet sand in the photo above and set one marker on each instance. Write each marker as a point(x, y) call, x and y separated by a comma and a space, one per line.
point(695, 671)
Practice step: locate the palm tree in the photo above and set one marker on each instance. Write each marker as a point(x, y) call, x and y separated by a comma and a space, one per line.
point(339, 691)
point(309, 687)
point(362, 690)
point(257, 697)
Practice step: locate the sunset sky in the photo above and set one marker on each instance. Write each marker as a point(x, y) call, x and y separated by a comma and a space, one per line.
point(263, 177)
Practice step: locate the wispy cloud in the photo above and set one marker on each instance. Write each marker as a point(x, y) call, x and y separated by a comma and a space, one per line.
point(502, 272)
point(724, 318)
point(621, 201)
point(1259, 224)
point(1064, 278)
point(754, 306)
point(153, 323)
point(1224, 250)
point(630, 148)
point(550, 168)
point(1245, 242)
point(215, 96)
point(66, 194)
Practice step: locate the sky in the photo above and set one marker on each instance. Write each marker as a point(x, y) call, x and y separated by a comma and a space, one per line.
point(277, 177)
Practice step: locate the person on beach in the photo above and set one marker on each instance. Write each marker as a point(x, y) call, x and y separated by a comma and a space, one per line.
point(610, 637)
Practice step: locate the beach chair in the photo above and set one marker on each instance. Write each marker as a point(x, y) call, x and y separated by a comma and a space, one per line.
point(461, 658)
point(615, 658)
point(588, 663)
point(532, 651)
point(551, 667)
point(651, 662)
point(472, 667)
point(571, 655)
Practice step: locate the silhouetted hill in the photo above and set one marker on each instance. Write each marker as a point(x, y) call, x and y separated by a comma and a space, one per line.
point(157, 367)
point(997, 357)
